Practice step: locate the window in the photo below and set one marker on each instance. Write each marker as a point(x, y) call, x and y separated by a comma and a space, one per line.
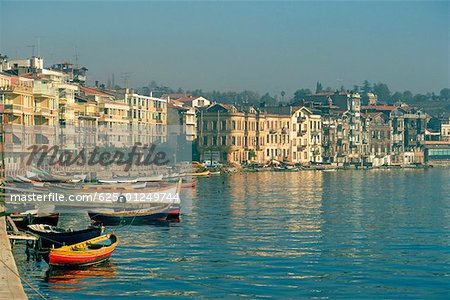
point(224, 140)
point(205, 140)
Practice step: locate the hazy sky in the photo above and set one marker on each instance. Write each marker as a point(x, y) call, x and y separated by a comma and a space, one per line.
point(262, 46)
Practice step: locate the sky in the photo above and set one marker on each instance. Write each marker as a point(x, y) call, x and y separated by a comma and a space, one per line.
point(226, 45)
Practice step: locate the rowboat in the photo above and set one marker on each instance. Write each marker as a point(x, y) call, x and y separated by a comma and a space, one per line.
point(205, 173)
point(131, 217)
point(185, 185)
point(54, 237)
point(87, 253)
point(150, 178)
point(23, 220)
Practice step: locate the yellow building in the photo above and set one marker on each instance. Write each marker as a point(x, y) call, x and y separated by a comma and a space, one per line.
point(226, 133)
point(278, 125)
point(306, 136)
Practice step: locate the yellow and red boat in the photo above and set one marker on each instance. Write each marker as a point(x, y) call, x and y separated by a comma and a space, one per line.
point(87, 253)
point(205, 173)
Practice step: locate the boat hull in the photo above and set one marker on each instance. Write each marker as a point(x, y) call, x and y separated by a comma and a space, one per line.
point(22, 221)
point(83, 254)
point(100, 219)
point(52, 239)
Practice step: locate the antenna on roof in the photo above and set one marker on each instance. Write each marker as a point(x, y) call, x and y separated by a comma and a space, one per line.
point(76, 56)
point(125, 76)
point(32, 49)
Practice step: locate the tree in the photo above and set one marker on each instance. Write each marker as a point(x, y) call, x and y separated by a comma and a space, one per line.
point(419, 98)
point(397, 96)
point(445, 94)
point(382, 91)
point(301, 94)
point(319, 87)
point(267, 99)
point(407, 96)
point(283, 93)
point(367, 87)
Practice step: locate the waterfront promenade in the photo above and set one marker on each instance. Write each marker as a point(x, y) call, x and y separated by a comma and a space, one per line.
point(10, 284)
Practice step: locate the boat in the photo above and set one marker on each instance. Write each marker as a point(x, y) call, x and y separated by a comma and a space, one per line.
point(130, 217)
point(329, 170)
point(185, 185)
point(54, 237)
point(214, 173)
point(87, 253)
point(205, 173)
point(174, 215)
point(22, 220)
point(150, 178)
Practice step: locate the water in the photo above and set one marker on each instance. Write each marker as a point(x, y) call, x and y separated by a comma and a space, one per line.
point(346, 234)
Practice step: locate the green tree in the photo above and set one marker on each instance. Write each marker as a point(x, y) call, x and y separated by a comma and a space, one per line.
point(367, 87)
point(319, 87)
point(267, 99)
point(382, 91)
point(445, 94)
point(301, 94)
point(397, 96)
point(407, 96)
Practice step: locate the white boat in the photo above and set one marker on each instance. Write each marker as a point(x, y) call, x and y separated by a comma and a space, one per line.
point(150, 178)
point(329, 170)
point(107, 181)
point(31, 175)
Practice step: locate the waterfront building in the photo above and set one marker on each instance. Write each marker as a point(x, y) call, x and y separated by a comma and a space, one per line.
point(377, 141)
point(277, 138)
point(355, 128)
point(181, 121)
point(445, 130)
point(306, 136)
point(188, 100)
point(229, 134)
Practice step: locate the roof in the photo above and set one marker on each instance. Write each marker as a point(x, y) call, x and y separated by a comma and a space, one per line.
point(174, 96)
point(371, 114)
point(92, 91)
point(379, 107)
point(436, 142)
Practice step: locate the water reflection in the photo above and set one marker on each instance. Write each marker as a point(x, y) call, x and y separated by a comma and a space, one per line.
point(347, 234)
point(67, 279)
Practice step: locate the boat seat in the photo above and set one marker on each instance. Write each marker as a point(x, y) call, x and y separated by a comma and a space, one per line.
point(95, 246)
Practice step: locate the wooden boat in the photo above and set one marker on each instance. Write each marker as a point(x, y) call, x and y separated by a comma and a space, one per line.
point(87, 253)
point(23, 220)
point(174, 215)
point(54, 237)
point(205, 173)
point(136, 216)
point(185, 185)
point(150, 178)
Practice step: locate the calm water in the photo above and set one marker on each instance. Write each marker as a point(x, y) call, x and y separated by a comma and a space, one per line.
point(345, 234)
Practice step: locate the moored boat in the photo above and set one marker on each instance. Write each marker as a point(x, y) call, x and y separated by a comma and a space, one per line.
point(22, 220)
point(87, 253)
point(130, 217)
point(54, 237)
point(205, 173)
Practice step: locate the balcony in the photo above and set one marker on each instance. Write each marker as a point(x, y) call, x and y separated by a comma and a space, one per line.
point(13, 108)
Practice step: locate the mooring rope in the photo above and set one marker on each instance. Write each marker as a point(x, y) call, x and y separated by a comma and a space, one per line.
point(26, 281)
